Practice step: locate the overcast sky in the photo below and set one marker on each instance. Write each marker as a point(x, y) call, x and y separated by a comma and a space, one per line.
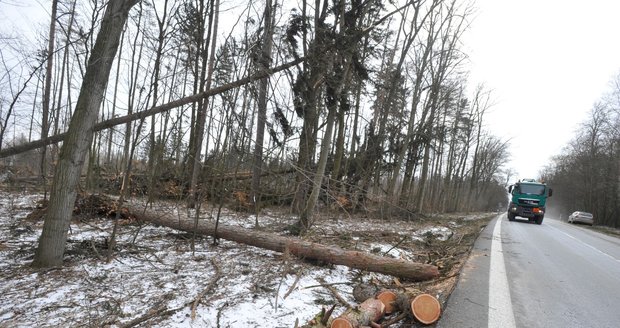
point(547, 62)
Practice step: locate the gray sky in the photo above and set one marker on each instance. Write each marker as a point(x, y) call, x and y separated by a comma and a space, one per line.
point(547, 62)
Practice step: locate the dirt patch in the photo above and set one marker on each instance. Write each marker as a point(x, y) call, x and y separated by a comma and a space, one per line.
point(162, 277)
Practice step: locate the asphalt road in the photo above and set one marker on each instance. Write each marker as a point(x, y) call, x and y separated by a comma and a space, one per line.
point(527, 275)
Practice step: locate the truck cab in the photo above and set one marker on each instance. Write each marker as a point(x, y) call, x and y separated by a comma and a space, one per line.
point(528, 199)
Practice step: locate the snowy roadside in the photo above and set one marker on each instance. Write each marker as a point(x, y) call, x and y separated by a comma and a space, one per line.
point(155, 271)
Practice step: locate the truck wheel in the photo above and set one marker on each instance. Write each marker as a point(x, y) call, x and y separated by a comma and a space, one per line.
point(511, 217)
point(539, 219)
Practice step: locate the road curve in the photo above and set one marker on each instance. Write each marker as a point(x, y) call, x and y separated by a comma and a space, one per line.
point(558, 275)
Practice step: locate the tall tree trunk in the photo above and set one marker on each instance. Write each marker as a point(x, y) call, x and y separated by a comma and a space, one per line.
point(111, 131)
point(339, 154)
point(47, 95)
point(264, 64)
point(306, 217)
point(201, 116)
point(63, 73)
point(309, 83)
point(63, 192)
point(156, 147)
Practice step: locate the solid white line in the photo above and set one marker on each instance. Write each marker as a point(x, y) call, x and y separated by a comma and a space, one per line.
point(500, 305)
point(586, 244)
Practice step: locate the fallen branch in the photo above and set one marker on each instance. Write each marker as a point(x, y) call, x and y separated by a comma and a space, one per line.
point(290, 290)
point(152, 313)
point(214, 279)
point(150, 112)
point(320, 320)
point(335, 293)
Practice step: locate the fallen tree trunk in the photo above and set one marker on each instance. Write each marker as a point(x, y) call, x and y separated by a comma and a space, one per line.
point(368, 313)
point(308, 250)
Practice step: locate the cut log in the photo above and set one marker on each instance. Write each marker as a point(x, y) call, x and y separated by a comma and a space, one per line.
point(388, 298)
point(366, 314)
point(424, 307)
point(308, 250)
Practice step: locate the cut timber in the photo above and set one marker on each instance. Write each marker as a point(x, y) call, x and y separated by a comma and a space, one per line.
point(426, 309)
point(367, 313)
point(331, 254)
point(388, 298)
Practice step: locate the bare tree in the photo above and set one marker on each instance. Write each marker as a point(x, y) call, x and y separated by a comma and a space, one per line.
point(264, 63)
point(73, 152)
point(47, 94)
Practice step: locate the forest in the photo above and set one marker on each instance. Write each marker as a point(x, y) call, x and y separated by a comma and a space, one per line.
point(345, 133)
point(586, 173)
point(361, 104)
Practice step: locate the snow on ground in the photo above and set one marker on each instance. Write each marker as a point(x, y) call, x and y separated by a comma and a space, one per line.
point(155, 270)
point(249, 286)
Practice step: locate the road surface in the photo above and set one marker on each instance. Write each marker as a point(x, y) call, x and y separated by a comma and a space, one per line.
point(521, 274)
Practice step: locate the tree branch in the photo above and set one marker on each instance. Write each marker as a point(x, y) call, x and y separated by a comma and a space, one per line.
point(154, 110)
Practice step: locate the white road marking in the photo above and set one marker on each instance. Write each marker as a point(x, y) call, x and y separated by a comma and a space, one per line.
point(586, 244)
point(500, 305)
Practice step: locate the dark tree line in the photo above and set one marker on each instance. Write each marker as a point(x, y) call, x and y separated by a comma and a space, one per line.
point(586, 175)
point(362, 104)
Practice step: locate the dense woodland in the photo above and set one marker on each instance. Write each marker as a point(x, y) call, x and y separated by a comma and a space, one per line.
point(586, 175)
point(355, 105)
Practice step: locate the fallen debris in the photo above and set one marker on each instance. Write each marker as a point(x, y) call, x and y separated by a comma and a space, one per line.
point(307, 250)
point(367, 314)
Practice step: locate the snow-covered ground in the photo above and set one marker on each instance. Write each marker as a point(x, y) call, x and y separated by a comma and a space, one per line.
point(155, 271)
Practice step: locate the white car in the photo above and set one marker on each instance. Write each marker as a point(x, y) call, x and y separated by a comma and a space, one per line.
point(583, 217)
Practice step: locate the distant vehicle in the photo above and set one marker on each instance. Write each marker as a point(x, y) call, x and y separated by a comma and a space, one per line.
point(528, 200)
point(583, 217)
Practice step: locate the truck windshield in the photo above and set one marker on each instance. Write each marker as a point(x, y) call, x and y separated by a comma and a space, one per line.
point(532, 189)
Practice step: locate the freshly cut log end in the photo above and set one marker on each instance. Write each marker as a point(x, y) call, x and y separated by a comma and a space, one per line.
point(341, 323)
point(426, 309)
point(388, 298)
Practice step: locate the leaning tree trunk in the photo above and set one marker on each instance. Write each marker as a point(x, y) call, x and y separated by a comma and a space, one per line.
point(79, 136)
point(306, 216)
point(304, 249)
point(21, 148)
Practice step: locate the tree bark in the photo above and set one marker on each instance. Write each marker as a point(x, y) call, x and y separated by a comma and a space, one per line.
point(306, 216)
point(201, 114)
point(79, 136)
point(370, 311)
point(47, 96)
point(332, 254)
point(424, 307)
point(264, 64)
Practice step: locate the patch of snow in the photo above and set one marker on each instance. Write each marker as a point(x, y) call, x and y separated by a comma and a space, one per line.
point(436, 232)
point(157, 270)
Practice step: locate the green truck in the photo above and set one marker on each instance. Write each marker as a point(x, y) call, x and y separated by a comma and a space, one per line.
point(528, 199)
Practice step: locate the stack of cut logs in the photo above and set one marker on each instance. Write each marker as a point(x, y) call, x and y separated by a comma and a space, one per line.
point(372, 312)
